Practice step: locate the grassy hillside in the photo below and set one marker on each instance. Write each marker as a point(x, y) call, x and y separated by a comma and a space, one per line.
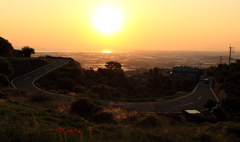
point(26, 117)
point(23, 118)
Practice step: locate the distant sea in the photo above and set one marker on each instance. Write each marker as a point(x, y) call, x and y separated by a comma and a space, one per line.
point(148, 59)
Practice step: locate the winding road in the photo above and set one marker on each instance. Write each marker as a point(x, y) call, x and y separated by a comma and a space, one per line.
point(194, 100)
point(26, 81)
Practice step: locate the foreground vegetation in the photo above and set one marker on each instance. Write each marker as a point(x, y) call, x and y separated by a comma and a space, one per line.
point(25, 118)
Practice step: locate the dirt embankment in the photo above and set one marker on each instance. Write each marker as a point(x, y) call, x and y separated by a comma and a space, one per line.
point(218, 90)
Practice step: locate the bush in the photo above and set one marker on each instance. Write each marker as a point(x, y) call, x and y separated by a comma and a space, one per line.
point(85, 107)
point(5, 67)
point(3, 95)
point(148, 121)
point(170, 92)
point(103, 117)
point(66, 83)
point(79, 89)
point(219, 113)
point(210, 104)
point(203, 137)
point(234, 129)
point(41, 98)
point(4, 81)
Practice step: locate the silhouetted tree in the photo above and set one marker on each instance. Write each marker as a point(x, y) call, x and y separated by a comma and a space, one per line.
point(5, 48)
point(5, 67)
point(157, 81)
point(102, 90)
point(114, 66)
point(27, 51)
point(17, 53)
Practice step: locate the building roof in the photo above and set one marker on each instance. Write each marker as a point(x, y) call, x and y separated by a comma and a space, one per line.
point(185, 69)
point(192, 111)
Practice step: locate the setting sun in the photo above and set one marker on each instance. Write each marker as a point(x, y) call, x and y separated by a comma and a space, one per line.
point(107, 19)
point(106, 52)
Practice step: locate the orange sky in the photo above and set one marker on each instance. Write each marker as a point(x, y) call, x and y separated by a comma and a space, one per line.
point(63, 25)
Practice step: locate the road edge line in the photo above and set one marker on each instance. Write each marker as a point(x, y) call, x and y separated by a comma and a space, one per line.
point(185, 95)
point(47, 91)
point(213, 91)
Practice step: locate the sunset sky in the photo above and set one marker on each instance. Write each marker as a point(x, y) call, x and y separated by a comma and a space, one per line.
point(68, 25)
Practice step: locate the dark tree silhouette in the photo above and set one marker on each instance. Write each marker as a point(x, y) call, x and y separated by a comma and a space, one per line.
point(157, 81)
point(5, 48)
point(17, 53)
point(5, 67)
point(113, 65)
point(27, 51)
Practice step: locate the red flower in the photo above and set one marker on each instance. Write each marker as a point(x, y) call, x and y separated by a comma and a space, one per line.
point(79, 132)
point(61, 129)
point(70, 131)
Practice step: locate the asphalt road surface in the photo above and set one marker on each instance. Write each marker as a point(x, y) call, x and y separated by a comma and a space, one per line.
point(26, 81)
point(192, 101)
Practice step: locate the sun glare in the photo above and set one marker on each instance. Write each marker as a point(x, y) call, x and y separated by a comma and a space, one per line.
point(107, 19)
point(106, 52)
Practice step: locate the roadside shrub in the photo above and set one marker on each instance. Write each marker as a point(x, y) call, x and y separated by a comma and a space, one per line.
point(66, 83)
point(4, 95)
point(219, 113)
point(41, 98)
point(210, 104)
point(79, 89)
point(15, 92)
point(170, 92)
point(74, 120)
point(203, 137)
point(148, 121)
point(4, 81)
point(103, 117)
point(85, 107)
point(233, 128)
point(6, 67)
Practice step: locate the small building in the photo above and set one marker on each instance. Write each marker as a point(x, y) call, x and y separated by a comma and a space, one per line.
point(194, 116)
point(185, 72)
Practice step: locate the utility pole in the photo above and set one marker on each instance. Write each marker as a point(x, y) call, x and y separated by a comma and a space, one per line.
point(221, 59)
point(230, 54)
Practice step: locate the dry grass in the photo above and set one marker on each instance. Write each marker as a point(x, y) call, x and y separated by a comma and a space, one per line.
point(121, 114)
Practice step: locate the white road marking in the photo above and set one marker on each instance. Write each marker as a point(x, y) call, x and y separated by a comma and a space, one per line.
point(186, 104)
point(27, 78)
point(37, 72)
point(199, 97)
point(186, 95)
point(213, 91)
